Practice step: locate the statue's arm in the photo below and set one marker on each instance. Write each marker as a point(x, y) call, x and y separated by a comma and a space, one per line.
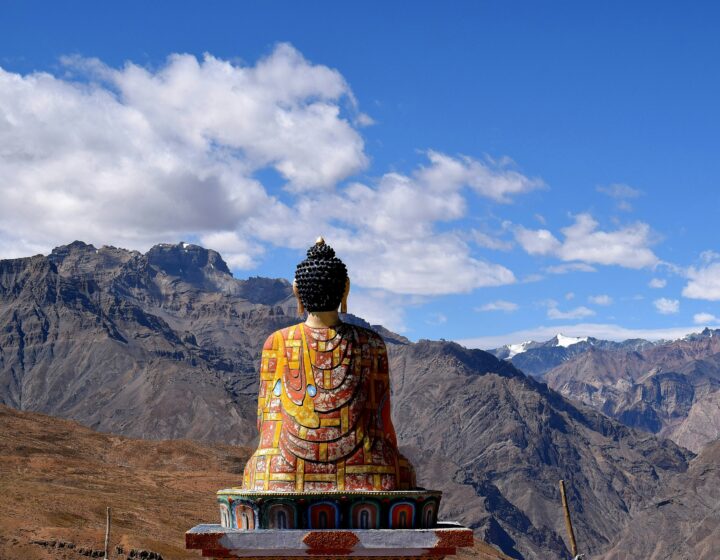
point(268, 365)
point(382, 384)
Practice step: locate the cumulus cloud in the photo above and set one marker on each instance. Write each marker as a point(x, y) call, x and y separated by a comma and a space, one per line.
point(380, 308)
point(499, 305)
point(667, 306)
point(436, 319)
point(569, 267)
point(576, 313)
point(537, 241)
point(133, 156)
point(492, 179)
point(491, 242)
point(584, 242)
point(601, 299)
point(705, 318)
point(386, 230)
point(704, 282)
point(621, 193)
point(657, 283)
point(619, 190)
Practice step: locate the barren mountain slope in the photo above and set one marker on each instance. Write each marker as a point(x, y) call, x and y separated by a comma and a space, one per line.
point(120, 342)
point(166, 344)
point(671, 389)
point(683, 521)
point(57, 478)
point(497, 442)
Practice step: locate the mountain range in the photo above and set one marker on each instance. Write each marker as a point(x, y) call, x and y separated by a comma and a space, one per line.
point(669, 388)
point(165, 345)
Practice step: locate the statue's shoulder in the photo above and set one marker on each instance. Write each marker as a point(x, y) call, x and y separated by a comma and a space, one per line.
point(288, 333)
point(368, 336)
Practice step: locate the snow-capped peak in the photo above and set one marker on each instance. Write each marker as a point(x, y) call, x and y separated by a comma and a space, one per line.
point(566, 341)
point(515, 349)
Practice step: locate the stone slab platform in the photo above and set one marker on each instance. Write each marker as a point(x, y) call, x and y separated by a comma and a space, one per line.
point(220, 542)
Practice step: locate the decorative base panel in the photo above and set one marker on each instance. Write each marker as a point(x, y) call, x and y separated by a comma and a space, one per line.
point(221, 542)
point(392, 509)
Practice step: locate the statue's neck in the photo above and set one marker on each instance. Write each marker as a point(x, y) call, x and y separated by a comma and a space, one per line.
point(322, 319)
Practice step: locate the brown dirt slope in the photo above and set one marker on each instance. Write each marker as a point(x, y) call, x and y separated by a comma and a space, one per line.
point(57, 477)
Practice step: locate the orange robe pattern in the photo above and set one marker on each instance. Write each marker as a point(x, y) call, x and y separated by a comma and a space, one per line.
point(324, 414)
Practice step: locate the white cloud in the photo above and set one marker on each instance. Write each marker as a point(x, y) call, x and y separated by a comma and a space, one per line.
point(491, 179)
point(386, 230)
point(601, 299)
point(619, 191)
point(576, 313)
point(627, 247)
point(657, 283)
point(499, 305)
point(597, 330)
point(569, 267)
point(704, 318)
point(667, 306)
point(704, 282)
point(709, 256)
point(133, 157)
point(235, 250)
point(436, 319)
point(378, 307)
point(570, 296)
point(490, 242)
point(537, 242)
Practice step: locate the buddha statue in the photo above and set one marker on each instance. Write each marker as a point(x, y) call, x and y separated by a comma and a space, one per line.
point(324, 399)
point(328, 456)
point(327, 480)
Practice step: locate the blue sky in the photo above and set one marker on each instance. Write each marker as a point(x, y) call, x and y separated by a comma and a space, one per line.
point(490, 171)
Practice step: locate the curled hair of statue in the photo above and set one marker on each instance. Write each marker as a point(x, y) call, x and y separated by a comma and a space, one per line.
point(321, 278)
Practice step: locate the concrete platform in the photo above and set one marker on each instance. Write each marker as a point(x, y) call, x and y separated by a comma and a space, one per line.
point(220, 542)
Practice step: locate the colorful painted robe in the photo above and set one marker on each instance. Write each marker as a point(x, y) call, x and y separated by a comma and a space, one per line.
point(324, 414)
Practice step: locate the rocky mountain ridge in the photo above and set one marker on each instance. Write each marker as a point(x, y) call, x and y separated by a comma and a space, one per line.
point(670, 388)
point(537, 358)
point(165, 345)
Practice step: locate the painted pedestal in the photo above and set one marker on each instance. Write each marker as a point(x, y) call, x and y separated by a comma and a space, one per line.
point(221, 542)
point(393, 509)
point(370, 524)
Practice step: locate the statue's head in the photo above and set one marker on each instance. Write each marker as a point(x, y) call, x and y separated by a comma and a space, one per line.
point(321, 280)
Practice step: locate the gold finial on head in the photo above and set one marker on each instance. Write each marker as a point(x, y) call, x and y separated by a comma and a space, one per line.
point(320, 241)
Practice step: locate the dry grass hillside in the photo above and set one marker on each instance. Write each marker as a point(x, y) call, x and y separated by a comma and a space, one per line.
point(57, 477)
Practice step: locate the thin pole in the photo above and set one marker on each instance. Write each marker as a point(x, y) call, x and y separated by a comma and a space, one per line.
point(107, 532)
point(568, 521)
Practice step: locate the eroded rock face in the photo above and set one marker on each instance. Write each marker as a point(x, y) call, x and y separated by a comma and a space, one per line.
point(500, 442)
point(162, 345)
point(166, 345)
point(669, 389)
point(682, 521)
